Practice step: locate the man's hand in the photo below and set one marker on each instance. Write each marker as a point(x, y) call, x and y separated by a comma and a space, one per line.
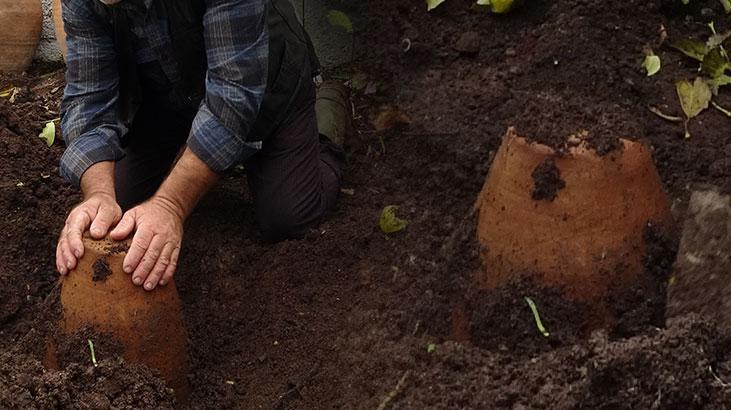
point(98, 212)
point(158, 223)
point(153, 255)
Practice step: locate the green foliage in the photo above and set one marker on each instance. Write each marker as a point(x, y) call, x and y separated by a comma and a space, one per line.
point(389, 222)
point(49, 133)
point(694, 98)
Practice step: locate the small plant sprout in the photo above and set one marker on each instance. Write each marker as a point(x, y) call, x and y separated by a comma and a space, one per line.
point(431, 347)
point(49, 133)
point(93, 354)
point(537, 317)
point(652, 63)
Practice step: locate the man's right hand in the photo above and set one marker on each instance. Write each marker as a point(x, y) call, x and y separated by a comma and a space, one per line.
point(97, 213)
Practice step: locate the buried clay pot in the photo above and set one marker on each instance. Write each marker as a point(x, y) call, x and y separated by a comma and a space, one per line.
point(575, 221)
point(149, 325)
point(20, 31)
point(58, 27)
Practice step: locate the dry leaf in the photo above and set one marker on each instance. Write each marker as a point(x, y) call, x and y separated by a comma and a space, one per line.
point(388, 117)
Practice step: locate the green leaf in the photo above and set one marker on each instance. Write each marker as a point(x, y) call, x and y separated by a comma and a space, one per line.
point(715, 63)
point(340, 19)
point(431, 347)
point(694, 97)
point(389, 222)
point(432, 4)
point(719, 81)
point(652, 64)
point(537, 317)
point(717, 39)
point(692, 48)
point(686, 2)
point(49, 133)
point(499, 6)
point(726, 5)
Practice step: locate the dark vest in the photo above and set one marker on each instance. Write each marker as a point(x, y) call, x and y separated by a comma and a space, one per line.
point(292, 61)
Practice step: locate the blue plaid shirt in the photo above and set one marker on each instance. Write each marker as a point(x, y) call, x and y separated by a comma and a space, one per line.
point(237, 46)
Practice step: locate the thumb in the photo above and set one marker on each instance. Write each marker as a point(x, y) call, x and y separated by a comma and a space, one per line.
point(125, 227)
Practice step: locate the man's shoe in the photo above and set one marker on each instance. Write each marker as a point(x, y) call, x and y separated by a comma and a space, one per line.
point(334, 111)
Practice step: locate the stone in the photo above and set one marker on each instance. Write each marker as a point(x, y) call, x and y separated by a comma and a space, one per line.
point(701, 282)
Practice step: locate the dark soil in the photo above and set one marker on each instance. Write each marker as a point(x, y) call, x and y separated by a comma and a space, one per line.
point(547, 181)
point(101, 270)
point(75, 348)
point(337, 319)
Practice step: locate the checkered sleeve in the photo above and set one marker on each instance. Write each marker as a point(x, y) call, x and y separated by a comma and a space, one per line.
point(89, 121)
point(237, 47)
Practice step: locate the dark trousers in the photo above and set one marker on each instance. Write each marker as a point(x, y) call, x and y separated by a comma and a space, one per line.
point(294, 179)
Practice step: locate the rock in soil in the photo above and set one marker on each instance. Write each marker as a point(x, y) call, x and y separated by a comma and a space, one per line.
point(702, 278)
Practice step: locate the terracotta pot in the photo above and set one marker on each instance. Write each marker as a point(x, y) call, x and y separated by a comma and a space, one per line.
point(21, 22)
point(149, 325)
point(588, 240)
point(58, 27)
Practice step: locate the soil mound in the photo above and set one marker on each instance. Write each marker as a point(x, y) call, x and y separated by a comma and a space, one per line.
point(675, 367)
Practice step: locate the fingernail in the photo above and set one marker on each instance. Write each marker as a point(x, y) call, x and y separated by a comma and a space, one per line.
point(149, 285)
point(69, 265)
point(163, 283)
point(77, 253)
point(137, 281)
point(128, 269)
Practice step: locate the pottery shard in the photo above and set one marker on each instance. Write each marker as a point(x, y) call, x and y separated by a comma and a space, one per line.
point(468, 43)
point(702, 272)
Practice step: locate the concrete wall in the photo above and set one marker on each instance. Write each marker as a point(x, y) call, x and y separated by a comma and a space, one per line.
point(333, 44)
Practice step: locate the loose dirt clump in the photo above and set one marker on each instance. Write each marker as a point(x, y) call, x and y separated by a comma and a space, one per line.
point(547, 181)
point(112, 384)
point(101, 270)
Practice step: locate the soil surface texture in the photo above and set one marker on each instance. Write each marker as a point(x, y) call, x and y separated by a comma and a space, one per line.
point(350, 317)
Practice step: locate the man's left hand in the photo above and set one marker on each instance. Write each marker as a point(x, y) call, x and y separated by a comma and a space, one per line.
point(153, 255)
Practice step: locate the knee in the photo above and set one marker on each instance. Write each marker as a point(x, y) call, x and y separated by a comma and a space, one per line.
point(282, 223)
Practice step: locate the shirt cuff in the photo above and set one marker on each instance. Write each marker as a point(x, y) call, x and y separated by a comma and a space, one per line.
point(216, 145)
point(87, 150)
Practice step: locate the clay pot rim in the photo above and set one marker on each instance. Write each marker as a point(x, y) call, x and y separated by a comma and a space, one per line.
point(581, 150)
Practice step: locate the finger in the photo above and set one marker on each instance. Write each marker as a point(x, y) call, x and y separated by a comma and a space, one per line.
point(60, 260)
point(149, 260)
point(137, 249)
point(105, 218)
point(69, 259)
point(78, 222)
point(125, 227)
point(170, 271)
point(160, 267)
